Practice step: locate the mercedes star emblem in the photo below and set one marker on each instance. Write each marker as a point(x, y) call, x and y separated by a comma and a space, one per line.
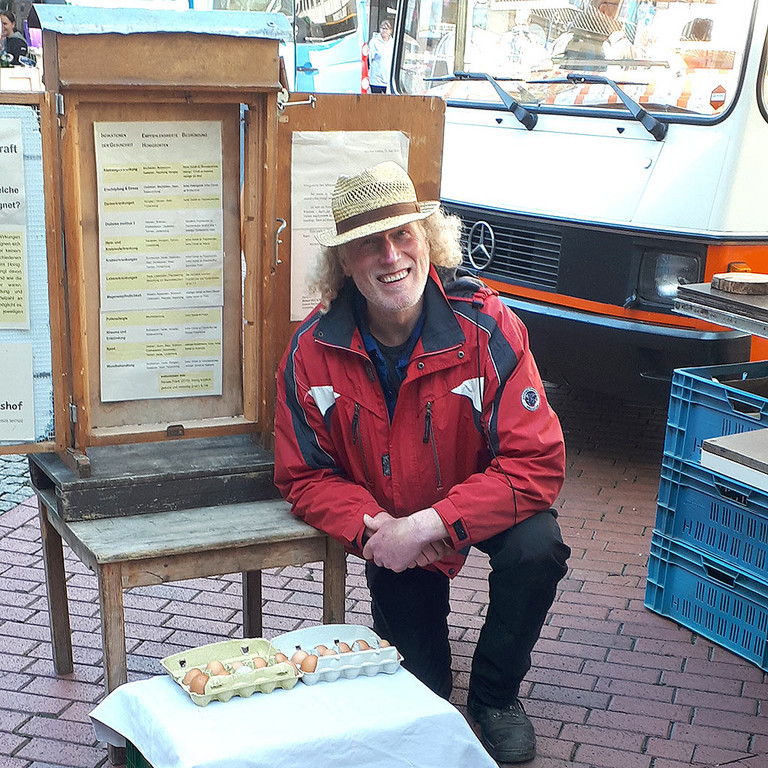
point(481, 245)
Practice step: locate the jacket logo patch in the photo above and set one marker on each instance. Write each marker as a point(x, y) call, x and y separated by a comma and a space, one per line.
point(530, 399)
point(324, 397)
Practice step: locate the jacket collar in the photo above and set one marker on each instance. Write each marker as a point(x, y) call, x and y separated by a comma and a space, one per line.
point(441, 328)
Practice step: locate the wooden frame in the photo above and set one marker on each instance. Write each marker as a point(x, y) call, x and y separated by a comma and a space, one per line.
point(235, 75)
point(45, 103)
point(420, 117)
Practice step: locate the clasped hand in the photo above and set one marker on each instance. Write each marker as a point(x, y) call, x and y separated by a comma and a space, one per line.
point(399, 543)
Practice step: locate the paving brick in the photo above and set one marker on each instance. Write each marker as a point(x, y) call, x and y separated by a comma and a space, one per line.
point(61, 753)
point(708, 755)
point(679, 751)
point(652, 692)
point(56, 728)
point(613, 671)
point(732, 721)
point(645, 724)
point(611, 757)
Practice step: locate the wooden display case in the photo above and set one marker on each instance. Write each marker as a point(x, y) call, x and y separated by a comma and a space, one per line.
point(231, 76)
point(161, 78)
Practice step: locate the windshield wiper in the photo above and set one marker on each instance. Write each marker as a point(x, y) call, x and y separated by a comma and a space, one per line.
point(525, 116)
point(655, 127)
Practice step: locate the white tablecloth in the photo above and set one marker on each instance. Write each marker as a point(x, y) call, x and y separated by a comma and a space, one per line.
point(383, 721)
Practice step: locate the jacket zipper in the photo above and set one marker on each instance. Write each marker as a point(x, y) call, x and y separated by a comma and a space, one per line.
point(357, 439)
point(429, 437)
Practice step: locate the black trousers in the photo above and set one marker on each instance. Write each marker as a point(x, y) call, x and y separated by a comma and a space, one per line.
point(410, 609)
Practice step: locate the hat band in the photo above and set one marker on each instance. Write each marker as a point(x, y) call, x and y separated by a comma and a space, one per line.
point(369, 217)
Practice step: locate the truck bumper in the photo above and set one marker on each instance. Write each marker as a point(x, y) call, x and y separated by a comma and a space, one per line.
point(620, 357)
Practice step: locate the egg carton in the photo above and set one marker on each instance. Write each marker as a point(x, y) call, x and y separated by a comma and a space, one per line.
point(237, 657)
point(356, 662)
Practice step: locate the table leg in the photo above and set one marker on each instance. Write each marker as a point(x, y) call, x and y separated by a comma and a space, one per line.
point(56, 589)
point(112, 625)
point(116, 755)
point(252, 622)
point(334, 582)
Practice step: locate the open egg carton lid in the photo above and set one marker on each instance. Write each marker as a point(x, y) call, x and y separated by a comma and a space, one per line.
point(241, 675)
point(370, 660)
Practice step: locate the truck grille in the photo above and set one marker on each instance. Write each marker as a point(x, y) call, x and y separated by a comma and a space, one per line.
point(524, 253)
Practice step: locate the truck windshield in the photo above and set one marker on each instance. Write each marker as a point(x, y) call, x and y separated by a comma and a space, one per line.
point(681, 57)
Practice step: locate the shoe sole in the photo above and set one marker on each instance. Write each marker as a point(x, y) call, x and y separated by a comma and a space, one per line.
point(499, 757)
point(502, 758)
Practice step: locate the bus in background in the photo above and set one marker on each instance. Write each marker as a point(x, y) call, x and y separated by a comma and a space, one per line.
point(600, 154)
point(330, 38)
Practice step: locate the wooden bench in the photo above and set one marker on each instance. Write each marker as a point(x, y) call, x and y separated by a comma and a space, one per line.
point(153, 548)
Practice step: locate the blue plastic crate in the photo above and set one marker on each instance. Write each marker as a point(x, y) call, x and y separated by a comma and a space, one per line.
point(716, 514)
point(714, 401)
point(709, 597)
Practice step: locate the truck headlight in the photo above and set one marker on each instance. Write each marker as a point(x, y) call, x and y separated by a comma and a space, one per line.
point(661, 273)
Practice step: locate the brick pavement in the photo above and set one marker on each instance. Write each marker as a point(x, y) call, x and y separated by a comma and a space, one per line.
point(612, 685)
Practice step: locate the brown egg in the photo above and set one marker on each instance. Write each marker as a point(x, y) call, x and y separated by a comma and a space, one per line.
point(344, 647)
point(321, 649)
point(299, 656)
point(191, 675)
point(216, 668)
point(198, 684)
point(363, 646)
point(280, 657)
point(310, 663)
point(383, 643)
point(259, 663)
point(236, 665)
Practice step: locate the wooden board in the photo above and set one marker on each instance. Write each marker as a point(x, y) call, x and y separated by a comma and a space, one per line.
point(420, 117)
point(748, 283)
point(157, 477)
point(747, 448)
point(160, 60)
point(174, 533)
point(752, 307)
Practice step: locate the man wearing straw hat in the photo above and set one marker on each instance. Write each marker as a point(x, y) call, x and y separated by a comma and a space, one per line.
point(411, 425)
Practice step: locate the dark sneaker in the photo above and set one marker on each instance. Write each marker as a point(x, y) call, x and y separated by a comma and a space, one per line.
point(506, 732)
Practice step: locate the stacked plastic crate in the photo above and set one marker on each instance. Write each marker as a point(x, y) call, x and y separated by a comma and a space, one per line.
point(709, 548)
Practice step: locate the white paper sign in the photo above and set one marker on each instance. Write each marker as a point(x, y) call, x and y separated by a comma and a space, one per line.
point(17, 408)
point(160, 214)
point(161, 353)
point(14, 304)
point(318, 159)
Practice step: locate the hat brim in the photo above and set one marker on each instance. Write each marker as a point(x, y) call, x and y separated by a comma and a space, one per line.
point(330, 238)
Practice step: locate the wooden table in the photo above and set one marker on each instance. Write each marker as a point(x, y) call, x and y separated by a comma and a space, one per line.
point(153, 548)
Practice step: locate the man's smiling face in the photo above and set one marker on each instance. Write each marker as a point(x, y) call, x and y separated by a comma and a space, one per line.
point(389, 268)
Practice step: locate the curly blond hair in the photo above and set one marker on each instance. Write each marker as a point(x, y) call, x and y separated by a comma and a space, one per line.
point(442, 230)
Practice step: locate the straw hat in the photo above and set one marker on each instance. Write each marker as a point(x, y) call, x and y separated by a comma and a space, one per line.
point(375, 200)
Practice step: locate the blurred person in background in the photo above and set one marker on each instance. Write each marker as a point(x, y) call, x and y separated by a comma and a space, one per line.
point(380, 51)
point(12, 43)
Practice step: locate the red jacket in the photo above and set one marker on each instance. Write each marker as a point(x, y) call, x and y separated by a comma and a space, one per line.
point(338, 457)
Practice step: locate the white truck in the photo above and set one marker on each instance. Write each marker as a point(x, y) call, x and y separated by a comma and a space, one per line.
point(600, 154)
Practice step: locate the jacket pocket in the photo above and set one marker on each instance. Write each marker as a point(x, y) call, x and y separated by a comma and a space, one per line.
point(357, 439)
point(429, 437)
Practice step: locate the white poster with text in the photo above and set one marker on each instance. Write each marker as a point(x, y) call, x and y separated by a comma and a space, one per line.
point(318, 159)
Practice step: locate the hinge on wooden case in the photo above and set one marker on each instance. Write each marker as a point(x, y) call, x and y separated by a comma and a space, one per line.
point(175, 430)
point(59, 104)
point(73, 413)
